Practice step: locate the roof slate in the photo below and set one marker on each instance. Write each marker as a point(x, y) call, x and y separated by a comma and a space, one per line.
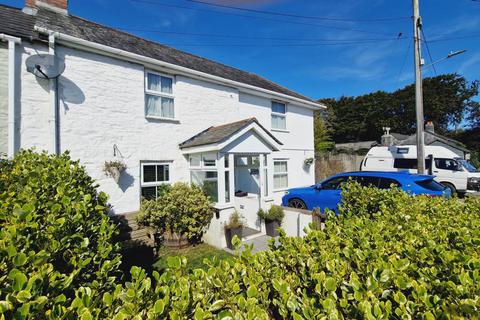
point(15, 22)
point(430, 137)
point(221, 133)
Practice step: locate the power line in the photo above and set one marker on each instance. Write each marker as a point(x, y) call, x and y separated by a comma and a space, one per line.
point(456, 38)
point(428, 51)
point(230, 36)
point(290, 15)
point(268, 45)
point(404, 61)
point(260, 18)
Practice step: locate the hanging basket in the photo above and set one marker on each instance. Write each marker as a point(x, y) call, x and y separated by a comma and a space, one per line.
point(114, 169)
point(308, 161)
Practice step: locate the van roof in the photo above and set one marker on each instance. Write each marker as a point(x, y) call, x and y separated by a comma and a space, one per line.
point(409, 152)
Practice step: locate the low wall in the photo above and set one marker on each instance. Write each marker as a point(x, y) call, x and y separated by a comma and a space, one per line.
point(295, 221)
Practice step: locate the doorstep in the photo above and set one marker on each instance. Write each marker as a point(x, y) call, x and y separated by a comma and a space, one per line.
point(260, 243)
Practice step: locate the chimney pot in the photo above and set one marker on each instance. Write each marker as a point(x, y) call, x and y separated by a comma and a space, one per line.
point(60, 6)
point(430, 127)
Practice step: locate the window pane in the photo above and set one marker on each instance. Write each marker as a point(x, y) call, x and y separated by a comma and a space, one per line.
point(163, 173)
point(279, 122)
point(209, 161)
point(149, 174)
point(386, 183)
point(280, 181)
point(149, 193)
point(265, 172)
point(226, 161)
point(227, 186)
point(153, 82)
point(209, 186)
point(167, 108)
point(335, 183)
point(153, 106)
point(278, 107)
point(194, 161)
point(280, 166)
point(167, 84)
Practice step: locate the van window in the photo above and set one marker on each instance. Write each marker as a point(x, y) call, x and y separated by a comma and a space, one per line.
point(410, 163)
point(446, 164)
point(386, 183)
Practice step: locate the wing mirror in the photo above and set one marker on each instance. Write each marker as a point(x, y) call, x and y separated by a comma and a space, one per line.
point(318, 187)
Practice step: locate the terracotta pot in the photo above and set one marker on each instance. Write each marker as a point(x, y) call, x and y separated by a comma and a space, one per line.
point(271, 228)
point(230, 233)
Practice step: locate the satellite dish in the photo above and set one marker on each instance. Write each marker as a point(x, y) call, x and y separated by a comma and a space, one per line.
point(45, 66)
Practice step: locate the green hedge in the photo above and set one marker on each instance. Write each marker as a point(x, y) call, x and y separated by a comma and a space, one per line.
point(388, 255)
point(54, 235)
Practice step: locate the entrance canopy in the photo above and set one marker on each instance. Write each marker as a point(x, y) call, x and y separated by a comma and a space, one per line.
point(245, 136)
point(232, 157)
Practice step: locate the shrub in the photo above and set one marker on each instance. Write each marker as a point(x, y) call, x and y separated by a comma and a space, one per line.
point(275, 213)
point(182, 209)
point(235, 221)
point(54, 234)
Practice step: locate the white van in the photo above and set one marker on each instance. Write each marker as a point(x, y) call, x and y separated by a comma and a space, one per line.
point(455, 173)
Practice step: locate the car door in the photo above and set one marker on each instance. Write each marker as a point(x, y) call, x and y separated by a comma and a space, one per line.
point(329, 195)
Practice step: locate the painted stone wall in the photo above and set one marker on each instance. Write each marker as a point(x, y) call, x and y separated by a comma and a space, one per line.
point(3, 98)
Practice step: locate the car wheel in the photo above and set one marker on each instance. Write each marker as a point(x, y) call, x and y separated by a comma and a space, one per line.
point(449, 186)
point(297, 204)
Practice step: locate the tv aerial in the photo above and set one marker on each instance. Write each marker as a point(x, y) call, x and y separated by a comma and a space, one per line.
point(45, 66)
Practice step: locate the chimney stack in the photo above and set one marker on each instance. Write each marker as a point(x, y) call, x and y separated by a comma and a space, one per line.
point(60, 6)
point(430, 127)
point(387, 138)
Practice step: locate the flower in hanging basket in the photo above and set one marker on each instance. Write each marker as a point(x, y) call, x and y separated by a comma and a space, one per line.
point(308, 161)
point(114, 169)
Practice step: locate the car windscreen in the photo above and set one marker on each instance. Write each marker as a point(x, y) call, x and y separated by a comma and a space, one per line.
point(468, 166)
point(430, 185)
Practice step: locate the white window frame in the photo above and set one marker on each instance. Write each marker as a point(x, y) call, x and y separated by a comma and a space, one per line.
point(155, 183)
point(160, 94)
point(278, 114)
point(275, 174)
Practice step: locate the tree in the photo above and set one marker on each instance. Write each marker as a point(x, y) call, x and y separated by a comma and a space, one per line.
point(323, 141)
point(447, 102)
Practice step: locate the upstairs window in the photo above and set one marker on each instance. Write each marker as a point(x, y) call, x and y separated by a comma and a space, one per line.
point(154, 176)
point(279, 111)
point(159, 100)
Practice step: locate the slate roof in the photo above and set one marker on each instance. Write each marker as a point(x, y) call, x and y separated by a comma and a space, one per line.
point(221, 133)
point(15, 22)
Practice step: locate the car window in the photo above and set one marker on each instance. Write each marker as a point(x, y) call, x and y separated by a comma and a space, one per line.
point(446, 164)
point(335, 183)
point(386, 183)
point(367, 181)
point(409, 163)
point(430, 185)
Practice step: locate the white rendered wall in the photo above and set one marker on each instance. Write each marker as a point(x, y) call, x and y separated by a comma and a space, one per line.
point(3, 98)
point(102, 105)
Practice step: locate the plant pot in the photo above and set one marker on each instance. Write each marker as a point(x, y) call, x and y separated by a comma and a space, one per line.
point(115, 172)
point(271, 227)
point(175, 241)
point(230, 233)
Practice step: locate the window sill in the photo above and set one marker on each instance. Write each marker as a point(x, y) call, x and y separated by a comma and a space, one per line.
point(281, 130)
point(162, 119)
point(224, 206)
point(281, 190)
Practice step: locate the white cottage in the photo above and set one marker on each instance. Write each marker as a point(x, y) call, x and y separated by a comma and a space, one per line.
point(168, 115)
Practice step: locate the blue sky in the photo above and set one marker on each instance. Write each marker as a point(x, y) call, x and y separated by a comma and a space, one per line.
point(292, 51)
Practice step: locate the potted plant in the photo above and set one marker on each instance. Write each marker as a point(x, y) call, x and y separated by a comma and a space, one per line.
point(273, 219)
point(234, 228)
point(114, 169)
point(308, 161)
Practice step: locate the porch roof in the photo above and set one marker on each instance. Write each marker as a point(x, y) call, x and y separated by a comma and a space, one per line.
point(222, 133)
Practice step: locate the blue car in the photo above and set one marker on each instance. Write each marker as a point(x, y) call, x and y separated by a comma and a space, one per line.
point(327, 194)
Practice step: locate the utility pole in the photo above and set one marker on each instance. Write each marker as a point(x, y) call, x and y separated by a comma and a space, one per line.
point(417, 25)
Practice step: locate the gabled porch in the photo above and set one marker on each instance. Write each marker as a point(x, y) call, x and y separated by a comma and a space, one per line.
point(234, 164)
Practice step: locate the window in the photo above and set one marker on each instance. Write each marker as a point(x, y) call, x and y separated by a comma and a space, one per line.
point(446, 164)
point(280, 174)
point(402, 150)
point(154, 176)
point(159, 100)
point(279, 111)
point(335, 183)
point(387, 183)
point(410, 163)
point(367, 181)
point(203, 172)
point(430, 185)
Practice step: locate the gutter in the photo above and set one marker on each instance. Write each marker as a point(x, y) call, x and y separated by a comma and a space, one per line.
point(54, 99)
point(122, 54)
point(12, 42)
